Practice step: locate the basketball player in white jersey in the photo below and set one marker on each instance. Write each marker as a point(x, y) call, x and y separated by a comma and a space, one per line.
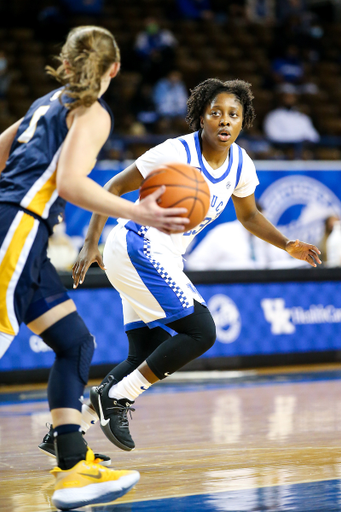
point(146, 266)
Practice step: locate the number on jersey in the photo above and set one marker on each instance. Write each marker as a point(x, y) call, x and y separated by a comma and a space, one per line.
point(30, 131)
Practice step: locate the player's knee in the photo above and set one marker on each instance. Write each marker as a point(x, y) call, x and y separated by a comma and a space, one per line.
point(208, 333)
point(203, 326)
point(72, 343)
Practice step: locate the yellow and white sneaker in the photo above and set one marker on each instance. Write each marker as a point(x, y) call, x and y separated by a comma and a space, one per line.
point(88, 483)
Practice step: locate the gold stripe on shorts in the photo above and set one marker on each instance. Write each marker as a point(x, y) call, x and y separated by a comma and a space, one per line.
point(10, 267)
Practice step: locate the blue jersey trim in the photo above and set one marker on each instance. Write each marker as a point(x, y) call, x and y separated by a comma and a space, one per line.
point(185, 145)
point(134, 325)
point(203, 168)
point(169, 319)
point(167, 293)
point(240, 165)
point(133, 226)
point(160, 322)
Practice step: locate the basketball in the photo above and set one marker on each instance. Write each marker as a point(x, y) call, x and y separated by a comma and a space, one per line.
point(185, 188)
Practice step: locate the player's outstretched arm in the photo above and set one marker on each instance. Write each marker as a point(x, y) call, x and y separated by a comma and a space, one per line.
point(255, 222)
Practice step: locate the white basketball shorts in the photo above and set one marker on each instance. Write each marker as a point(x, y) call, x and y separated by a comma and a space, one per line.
point(153, 287)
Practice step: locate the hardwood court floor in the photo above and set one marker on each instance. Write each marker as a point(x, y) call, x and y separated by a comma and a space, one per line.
point(231, 441)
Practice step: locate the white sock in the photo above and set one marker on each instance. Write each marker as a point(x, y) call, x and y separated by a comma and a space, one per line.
point(130, 386)
point(89, 417)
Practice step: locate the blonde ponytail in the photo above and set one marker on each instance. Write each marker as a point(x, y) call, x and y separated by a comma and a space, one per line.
point(88, 53)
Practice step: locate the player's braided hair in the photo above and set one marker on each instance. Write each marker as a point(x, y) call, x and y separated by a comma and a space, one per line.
point(87, 54)
point(206, 91)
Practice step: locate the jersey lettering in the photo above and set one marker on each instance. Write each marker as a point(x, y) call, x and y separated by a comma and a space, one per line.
point(213, 201)
point(219, 206)
point(27, 135)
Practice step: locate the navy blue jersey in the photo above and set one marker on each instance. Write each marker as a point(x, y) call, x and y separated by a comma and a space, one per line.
point(29, 178)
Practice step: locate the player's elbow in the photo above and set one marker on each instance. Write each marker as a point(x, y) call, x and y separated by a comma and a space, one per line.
point(66, 190)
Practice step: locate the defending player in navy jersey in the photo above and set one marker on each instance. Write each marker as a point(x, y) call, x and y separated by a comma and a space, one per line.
point(146, 266)
point(45, 159)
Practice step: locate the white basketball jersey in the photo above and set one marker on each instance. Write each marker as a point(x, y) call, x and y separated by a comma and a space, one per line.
point(236, 176)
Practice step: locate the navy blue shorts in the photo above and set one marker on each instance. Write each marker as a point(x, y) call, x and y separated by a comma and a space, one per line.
point(29, 283)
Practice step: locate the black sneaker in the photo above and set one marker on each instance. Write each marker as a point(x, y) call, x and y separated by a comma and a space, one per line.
point(47, 447)
point(113, 416)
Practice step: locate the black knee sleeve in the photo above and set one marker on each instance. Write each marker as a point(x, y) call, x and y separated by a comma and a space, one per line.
point(74, 346)
point(196, 335)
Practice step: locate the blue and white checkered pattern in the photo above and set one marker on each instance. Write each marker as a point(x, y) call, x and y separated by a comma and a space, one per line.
point(143, 230)
point(165, 276)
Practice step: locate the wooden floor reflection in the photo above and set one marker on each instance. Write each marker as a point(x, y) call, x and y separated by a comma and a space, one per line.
point(252, 430)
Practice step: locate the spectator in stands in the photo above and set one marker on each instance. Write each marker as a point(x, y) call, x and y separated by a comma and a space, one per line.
point(261, 11)
point(155, 49)
point(333, 245)
point(239, 253)
point(289, 8)
point(288, 128)
point(288, 68)
point(4, 75)
point(243, 251)
point(329, 224)
point(61, 250)
point(91, 7)
point(143, 106)
point(170, 95)
point(195, 9)
point(51, 21)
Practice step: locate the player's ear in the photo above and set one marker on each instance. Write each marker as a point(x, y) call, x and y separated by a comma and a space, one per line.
point(115, 67)
point(201, 122)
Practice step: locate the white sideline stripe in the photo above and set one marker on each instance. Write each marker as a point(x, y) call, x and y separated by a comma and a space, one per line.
point(208, 375)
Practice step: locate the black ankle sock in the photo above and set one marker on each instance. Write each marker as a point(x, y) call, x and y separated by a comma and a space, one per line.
point(69, 446)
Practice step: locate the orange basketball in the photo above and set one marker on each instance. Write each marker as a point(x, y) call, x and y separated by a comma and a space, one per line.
point(185, 188)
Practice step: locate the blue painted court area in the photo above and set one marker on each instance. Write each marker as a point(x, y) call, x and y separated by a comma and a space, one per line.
point(308, 497)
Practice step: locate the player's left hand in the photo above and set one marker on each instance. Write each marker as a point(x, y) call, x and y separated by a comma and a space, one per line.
point(303, 251)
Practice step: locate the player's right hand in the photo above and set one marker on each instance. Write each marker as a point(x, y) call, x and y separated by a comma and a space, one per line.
point(88, 255)
point(166, 220)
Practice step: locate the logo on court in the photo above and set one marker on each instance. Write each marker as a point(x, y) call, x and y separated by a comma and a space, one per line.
point(284, 320)
point(226, 317)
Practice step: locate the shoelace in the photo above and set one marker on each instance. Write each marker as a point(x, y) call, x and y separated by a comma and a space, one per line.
point(123, 411)
point(101, 386)
point(48, 436)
